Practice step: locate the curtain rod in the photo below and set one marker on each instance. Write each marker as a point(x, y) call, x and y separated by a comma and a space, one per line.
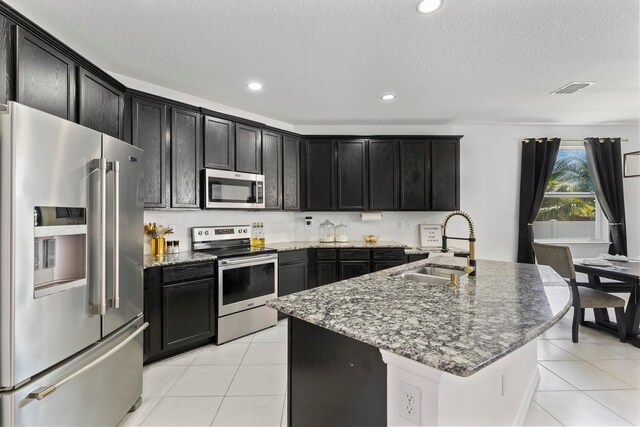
point(575, 142)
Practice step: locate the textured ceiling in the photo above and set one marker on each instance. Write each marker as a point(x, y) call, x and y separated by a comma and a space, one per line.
point(328, 61)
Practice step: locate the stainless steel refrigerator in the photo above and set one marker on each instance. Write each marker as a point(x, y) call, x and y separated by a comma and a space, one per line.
point(71, 287)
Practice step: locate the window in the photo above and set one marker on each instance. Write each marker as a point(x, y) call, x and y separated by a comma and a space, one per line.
point(569, 209)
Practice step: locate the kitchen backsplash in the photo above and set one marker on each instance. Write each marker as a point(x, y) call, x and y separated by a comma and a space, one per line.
point(290, 226)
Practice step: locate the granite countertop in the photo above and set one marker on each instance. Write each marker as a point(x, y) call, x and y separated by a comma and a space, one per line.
point(457, 329)
point(292, 246)
point(150, 261)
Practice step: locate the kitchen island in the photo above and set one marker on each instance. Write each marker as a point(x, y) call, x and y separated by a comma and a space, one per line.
point(379, 349)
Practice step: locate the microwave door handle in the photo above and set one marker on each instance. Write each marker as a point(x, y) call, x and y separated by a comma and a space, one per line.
point(115, 168)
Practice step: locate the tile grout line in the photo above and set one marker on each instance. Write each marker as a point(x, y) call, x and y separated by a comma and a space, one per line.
point(233, 378)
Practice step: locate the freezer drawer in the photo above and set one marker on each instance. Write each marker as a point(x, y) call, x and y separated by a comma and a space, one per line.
point(101, 395)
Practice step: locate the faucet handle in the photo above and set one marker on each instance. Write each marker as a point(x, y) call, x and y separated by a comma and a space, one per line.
point(468, 269)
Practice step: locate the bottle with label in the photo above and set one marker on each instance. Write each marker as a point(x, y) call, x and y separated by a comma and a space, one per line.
point(261, 238)
point(254, 234)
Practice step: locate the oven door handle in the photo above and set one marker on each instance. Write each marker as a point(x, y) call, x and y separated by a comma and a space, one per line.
point(249, 261)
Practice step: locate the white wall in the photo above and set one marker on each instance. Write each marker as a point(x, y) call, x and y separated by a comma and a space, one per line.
point(490, 182)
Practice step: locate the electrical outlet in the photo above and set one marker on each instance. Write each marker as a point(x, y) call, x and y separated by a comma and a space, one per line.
point(410, 402)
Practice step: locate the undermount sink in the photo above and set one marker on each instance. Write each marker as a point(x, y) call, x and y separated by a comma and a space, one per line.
point(434, 275)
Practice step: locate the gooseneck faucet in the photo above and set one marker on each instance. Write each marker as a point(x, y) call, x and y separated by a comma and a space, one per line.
point(471, 259)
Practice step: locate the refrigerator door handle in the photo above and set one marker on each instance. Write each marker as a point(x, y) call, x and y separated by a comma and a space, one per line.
point(115, 168)
point(42, 392)
point(101, 309)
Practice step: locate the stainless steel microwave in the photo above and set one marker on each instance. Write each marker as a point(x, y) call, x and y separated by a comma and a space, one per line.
point(232, 190)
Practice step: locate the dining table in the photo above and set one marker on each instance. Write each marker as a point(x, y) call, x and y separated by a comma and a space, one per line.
point(622, 277)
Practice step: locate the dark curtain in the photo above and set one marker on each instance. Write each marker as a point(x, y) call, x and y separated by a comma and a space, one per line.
point(604, 156)
point(538, 158)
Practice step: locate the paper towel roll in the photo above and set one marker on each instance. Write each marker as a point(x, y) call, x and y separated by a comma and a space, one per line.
point(371, 216)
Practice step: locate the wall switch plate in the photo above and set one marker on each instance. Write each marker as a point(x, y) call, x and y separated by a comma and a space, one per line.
point(410, 402)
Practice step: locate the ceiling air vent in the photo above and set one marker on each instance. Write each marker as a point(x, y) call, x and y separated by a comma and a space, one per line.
point(570, 88)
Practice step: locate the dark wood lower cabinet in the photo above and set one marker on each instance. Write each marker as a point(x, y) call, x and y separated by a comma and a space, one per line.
point(351, 269)
point(325, 272)
point(293, 273)
point(187, 313)
point(416, 257)
point(334, 380)
point(180, 306)
point(383, 265)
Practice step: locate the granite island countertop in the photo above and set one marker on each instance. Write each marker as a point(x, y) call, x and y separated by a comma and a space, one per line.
point(457, 329)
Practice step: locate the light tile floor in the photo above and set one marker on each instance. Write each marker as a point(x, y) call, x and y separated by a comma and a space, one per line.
point(593, 382)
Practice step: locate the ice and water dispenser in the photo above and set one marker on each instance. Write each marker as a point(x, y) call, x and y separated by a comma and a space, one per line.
point(60, 249)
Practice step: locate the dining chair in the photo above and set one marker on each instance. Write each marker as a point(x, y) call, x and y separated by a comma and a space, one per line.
point(559, 258)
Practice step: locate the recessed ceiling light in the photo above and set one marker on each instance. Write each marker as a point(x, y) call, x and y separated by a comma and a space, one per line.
point(388, 97)
point(255, 86)
point(429, 6)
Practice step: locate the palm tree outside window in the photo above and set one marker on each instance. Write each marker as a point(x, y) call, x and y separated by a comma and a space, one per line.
point(569, 208)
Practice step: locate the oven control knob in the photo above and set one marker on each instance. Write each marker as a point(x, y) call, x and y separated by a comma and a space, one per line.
point(244, 231)
point(199, 233)
point(206, 232)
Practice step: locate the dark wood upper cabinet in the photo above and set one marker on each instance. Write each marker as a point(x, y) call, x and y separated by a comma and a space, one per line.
point(352, 174)
point(186, 160)
point(149, 132)
point(320, 175)
point(6, 61)
point(46, 79)
point(272, 169)
point(101, 105)
point(415, 169)
point(291, 173)
point(219, 143)
point(445, 174)
point(248, 149)
point(384, 174)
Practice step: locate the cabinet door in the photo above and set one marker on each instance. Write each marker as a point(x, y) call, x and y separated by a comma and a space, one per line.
point(7, 69)
point(325, 272)
point(219, 143)
point(292, 278)
point(384, 174)
point(352, 175)
point(152, 313)
point(415, 168)
point(187, 312)
point(383, 265)
point(291, 173)
point(272, 169)
point(248, 149)
point(445, 174)
point(350, 269)
point(46, 79)
point(101, 105)
point(320, 167)
point(186, 146)
point(149, 132)
point(417, 257)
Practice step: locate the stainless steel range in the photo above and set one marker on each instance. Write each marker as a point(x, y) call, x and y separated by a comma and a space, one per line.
point(247, 279)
